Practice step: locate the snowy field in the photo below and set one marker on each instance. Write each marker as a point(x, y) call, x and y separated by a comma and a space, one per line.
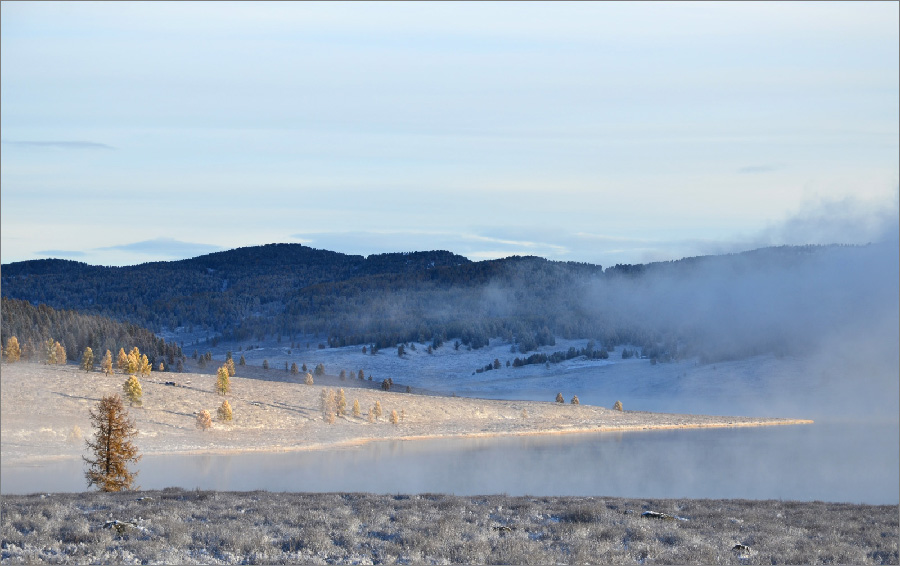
point(831, 386)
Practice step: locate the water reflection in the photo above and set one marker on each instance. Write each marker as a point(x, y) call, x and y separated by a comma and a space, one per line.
point(827, 462)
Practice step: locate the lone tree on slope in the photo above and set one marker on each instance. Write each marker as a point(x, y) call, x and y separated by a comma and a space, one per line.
point(223, 383)
point(133, 391)
point(111, 446)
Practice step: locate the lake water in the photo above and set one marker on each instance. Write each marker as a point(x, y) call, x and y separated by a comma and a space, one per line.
point(847, 462)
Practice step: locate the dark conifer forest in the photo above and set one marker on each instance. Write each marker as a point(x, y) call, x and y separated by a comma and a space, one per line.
point(292, 291)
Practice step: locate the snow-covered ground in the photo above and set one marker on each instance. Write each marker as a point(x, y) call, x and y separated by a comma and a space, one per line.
point(832, 386)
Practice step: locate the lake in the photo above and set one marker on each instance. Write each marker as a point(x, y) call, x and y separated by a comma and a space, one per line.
point(847, 462)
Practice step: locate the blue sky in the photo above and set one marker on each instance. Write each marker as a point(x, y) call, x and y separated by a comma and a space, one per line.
point(601, 132)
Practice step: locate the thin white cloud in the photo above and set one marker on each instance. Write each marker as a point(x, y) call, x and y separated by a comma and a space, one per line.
point(58, 144)
point(164, 247)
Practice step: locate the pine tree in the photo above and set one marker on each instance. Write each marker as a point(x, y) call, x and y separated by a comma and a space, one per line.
point(224, 411)
point(133, 391)
point(360, 375)
point(559, 398)
point(242, 361)
point(265, 364)
point(575, 400)
point(294, 369)
point(122, 360)
point(111, 447)
point(13, 351)
point(106, 364)
point(204, 420)
point(223, 383)
point(377, 409)
point(229, 363)
point(618, 406)
point(320, 370)
point(356, 410)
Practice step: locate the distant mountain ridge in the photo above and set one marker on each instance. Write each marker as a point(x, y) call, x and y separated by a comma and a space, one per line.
point(384, 299)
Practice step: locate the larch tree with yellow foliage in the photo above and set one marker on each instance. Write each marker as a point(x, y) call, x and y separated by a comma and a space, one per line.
point(12, 351)
point(87, 359)
point(122, 360)
point(223, 383)
point(133, 391)
point(111, 446)
point(106, 364)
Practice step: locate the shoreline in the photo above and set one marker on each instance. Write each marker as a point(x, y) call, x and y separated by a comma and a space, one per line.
point(349, 443)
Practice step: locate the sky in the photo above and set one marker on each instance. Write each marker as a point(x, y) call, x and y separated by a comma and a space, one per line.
point(600, 132)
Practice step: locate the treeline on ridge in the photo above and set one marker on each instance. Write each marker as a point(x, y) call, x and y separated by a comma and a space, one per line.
point(34, 325)
point(293, 291)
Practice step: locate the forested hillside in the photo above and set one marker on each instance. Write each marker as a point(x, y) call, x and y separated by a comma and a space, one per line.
point(717, 306)
point(34, 325)
point(214, 291)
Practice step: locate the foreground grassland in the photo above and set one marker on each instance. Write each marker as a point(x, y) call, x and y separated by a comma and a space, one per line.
point(45, 414)
point(173, 526)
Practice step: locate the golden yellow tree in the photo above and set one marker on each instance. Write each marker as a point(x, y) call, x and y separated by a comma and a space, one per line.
point(122, 360)
point(229, 363)
point(145, 367)
point(223, 383)
point(204, 420)
point(395, 418)
point(356, 411)
point(87, 359)
point(133, 391)
point(111, 446)
point(13, 351)
point(224, 411)
point(106, 364)
point(377, 409)
point(60, 354)
point(341, 403)
point(309, 379)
